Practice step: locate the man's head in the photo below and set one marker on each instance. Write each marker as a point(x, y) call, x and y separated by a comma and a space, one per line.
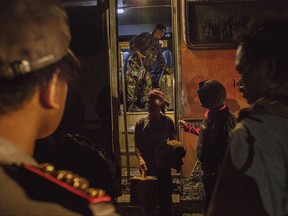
point(34, 57)
point(212, 94)
point(262, 56)
point(159, 31)
point(155, 102)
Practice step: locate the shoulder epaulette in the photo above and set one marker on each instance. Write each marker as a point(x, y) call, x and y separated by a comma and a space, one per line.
point(67, 184)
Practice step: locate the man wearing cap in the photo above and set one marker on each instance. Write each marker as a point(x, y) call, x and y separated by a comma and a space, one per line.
point(146, 58)
point(35, 67)
point(150, 132)
point(213, 133)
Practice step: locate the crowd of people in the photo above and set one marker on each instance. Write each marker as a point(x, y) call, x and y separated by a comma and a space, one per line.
point(244, 164)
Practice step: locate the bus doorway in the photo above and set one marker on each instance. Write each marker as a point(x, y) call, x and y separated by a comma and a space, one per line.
point(134, 18)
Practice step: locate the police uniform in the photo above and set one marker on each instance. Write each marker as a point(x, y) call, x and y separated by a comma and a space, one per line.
point(34, 36)
point(28, 189)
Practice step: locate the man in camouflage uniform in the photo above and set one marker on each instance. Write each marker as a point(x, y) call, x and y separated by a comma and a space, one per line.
point(146, 57)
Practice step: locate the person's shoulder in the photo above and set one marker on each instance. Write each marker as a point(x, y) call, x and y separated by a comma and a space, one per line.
point(222, 115)
point(229, 116)
point(14, 201)
point(63, 189)
point(168, 119)
point(145, 34)
point(14, 183)
point(142, 35)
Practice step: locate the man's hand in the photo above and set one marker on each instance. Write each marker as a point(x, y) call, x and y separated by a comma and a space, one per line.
point(140, 55)
point(183, 125)
point(167, 70)
point(174, 143)
point(191, 128)
point(142, 164)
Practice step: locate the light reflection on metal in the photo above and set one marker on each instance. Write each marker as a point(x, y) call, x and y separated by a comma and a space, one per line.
point(120, 10)
point(77, 3)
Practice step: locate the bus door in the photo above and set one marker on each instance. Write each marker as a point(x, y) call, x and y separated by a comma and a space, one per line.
point(133, 18)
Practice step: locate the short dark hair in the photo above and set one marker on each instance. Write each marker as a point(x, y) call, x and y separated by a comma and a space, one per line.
point(264, 38)
point(160, 27)
point(16, 91)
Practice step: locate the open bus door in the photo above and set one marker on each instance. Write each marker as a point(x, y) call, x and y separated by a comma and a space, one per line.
point(133, 18)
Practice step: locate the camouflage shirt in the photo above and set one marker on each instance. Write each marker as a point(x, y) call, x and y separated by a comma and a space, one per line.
point(150, 47)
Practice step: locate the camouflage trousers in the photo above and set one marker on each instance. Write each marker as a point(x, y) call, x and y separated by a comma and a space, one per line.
point(138, 85)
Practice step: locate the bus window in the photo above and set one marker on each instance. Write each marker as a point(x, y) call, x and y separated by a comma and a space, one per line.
point(211, 24)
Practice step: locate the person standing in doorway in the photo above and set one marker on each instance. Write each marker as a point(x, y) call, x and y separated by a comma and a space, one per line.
point(151, 136)
point(146, 58)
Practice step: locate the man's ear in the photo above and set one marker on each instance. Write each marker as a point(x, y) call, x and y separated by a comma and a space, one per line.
point(48, 93)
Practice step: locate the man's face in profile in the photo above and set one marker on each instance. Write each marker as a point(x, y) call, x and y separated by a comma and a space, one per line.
point(252, 76)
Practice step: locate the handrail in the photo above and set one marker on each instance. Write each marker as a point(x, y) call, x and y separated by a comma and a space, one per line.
point(125, 118)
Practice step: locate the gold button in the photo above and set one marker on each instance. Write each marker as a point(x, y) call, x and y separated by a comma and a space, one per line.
point(62, 175)
point(95, 192)
point(81, 183)
point(47, 167)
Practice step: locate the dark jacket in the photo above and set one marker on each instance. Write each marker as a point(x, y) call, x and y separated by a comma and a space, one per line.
point(149, 135)
point(213, 136)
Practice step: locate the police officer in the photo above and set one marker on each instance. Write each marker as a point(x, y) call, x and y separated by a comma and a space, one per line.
point(146, 58)
point(35, 67)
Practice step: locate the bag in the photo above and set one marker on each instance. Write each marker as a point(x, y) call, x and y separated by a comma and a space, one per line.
point(170, 154)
